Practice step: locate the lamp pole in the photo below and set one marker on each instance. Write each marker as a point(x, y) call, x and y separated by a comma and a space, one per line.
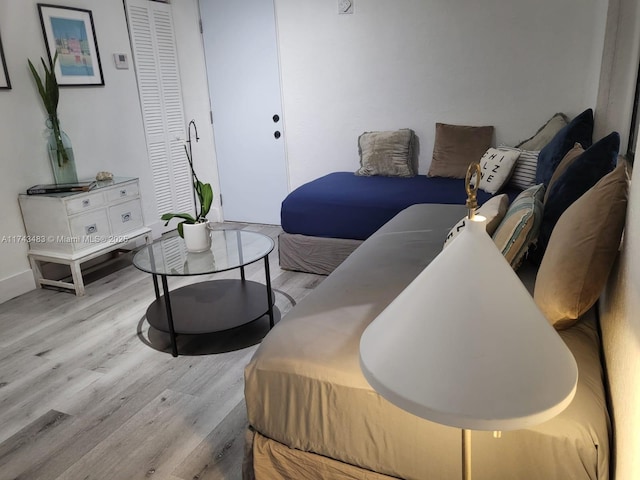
point(466, 454)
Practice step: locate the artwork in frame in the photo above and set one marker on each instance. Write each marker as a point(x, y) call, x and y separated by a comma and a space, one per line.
point(5, 83)
point(69, 31)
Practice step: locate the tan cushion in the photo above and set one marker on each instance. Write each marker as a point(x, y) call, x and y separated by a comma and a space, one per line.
point(520, 226)
point(389, 154)
point(456, 146)
point(545, 133)
point(568, 159)
point(582, 249)
point(493, 210)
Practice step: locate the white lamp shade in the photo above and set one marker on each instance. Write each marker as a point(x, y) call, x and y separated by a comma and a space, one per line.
point(465, 345)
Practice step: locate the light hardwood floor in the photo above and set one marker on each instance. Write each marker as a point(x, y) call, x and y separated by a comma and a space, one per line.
point(89, 391)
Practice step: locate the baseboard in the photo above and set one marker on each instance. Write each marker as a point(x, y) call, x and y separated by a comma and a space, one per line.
point(15, 285)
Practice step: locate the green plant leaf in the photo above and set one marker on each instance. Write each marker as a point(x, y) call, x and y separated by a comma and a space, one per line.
point(181, 229)
point(39, 84)
point(47, 85)
point(206, 198)
point(185, 216)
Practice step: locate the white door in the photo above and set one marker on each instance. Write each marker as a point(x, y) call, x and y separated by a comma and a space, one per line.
point(244, 86)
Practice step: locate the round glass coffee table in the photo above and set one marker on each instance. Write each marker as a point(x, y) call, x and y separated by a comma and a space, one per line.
point(214, 305)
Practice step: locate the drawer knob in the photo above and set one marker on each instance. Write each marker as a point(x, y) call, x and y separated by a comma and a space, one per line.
point(125, 217)
point(90, 229)
point(86, 202)
point(123, 193)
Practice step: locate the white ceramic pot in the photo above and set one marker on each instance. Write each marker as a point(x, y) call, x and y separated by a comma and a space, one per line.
point(197, 236)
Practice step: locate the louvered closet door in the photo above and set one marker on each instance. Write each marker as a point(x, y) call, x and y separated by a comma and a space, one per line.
point(156, 64)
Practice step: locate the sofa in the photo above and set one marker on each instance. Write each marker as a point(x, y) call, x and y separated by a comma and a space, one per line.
point(313, 415)
point(326, 219)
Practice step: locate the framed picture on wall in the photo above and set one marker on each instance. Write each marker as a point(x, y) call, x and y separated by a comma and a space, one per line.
point(69, 31)
point(5, 83)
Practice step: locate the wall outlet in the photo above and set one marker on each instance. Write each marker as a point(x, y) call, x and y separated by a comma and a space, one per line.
point(345, 6)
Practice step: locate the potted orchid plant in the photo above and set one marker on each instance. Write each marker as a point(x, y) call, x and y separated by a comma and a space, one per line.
point(195, 228)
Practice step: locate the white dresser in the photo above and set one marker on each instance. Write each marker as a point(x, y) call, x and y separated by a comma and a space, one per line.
point(71, 228)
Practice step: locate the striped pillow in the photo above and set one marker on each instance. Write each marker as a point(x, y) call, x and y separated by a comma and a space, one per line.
point(520, 226)
point(524, 173)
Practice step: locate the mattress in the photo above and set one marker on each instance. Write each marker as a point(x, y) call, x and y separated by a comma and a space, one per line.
point(304, 388)
point(344, 205)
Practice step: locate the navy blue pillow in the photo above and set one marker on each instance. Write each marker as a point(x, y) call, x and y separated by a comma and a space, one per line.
point(579, 130)
point(580, 176)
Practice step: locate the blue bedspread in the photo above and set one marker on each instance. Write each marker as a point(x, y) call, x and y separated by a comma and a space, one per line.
point(344, 205)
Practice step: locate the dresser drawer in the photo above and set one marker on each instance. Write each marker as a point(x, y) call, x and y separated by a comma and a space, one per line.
point(90, 227)
point(84, 203)
point(125, 217)
point(124, 191)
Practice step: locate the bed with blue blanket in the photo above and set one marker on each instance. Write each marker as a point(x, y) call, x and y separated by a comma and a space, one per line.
point(326, 219)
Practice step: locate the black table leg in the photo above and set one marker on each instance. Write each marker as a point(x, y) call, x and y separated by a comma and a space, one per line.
point(167, 304)
point(155, 277)
point(155, 286)
point(269, 291)
point(240, 254)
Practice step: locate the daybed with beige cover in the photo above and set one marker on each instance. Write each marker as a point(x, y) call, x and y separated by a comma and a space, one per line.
point(314, 416)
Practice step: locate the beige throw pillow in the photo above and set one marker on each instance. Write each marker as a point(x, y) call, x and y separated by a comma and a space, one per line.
point(456, 146)
point(493, 210)
point(582, 249)
point(571, 156)
point(389, 154)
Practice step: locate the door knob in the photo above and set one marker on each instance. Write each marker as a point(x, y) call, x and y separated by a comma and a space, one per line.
point(276, 134)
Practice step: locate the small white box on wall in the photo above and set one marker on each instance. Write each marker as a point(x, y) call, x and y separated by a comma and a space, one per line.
point(121, 60)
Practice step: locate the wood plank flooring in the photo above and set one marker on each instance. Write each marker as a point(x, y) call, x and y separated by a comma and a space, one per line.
point(88, 390)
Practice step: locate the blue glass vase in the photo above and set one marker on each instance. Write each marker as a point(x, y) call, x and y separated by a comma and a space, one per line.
point(60, 153)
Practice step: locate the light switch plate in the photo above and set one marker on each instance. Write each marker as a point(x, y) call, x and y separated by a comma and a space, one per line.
point(121, 60)
point(345, 6)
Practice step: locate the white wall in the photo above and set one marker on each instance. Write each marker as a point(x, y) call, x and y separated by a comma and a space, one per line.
point(620, 320)
point(412, 63)
point(104, 123)
point(619, 70)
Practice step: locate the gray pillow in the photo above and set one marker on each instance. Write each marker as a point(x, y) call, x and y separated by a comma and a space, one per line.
point(545, 133)
point(389, 154)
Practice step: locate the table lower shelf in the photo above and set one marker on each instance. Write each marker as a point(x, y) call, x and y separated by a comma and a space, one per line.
point(212, 306)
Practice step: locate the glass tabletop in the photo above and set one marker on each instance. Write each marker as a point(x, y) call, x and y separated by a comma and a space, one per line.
point(229, 249)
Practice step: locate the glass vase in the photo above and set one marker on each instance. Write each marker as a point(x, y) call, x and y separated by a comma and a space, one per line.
point(60, 154)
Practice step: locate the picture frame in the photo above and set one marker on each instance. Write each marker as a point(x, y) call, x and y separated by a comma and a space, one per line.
point(5, 83)
point(70, 32)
